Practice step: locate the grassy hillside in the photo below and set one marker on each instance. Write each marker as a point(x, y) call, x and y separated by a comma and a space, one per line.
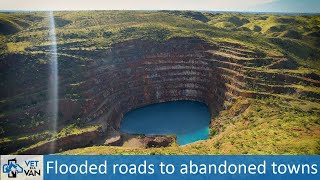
point(277, 55)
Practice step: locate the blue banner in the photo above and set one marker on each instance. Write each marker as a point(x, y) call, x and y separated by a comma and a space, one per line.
point(181, 167)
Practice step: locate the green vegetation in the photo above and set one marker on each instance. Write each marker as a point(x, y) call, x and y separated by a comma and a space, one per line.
point(278, 57)
point(71, 130)
point(267, 126)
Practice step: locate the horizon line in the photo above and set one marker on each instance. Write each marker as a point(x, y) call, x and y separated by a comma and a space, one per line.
point(224, 11)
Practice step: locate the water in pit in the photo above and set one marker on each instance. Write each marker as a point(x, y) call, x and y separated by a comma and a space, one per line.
point(188, 120)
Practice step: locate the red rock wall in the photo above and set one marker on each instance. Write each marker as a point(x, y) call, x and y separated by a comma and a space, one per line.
point(138, 73)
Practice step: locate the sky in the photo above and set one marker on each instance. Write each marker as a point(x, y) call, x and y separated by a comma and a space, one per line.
point(296, 6)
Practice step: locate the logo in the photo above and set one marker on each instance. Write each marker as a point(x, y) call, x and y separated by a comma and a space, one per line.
point(12, 168)
point(21, 167)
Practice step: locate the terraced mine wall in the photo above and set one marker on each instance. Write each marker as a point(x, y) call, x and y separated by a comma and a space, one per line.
point(132, 74)
point(138, 73)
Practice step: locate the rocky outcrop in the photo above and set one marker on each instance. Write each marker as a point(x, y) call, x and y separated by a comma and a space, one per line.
point(158, 141)
point(113, 137)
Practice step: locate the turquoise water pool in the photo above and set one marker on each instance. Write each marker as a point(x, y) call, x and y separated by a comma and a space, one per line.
point(189, 120)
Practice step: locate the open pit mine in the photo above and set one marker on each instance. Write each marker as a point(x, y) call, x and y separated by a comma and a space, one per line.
point(261, 84)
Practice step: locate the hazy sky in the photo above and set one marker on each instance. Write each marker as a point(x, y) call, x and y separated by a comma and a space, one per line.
point(215, 5)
